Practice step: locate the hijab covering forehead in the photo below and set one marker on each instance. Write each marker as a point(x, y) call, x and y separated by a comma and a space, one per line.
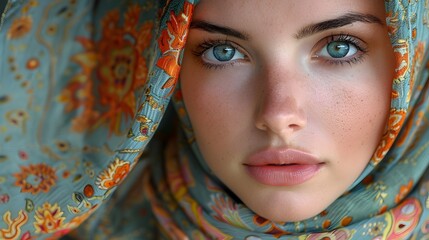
point(83, 88)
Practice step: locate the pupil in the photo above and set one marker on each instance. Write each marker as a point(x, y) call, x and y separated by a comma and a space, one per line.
point(223, 53)
point(338, 49)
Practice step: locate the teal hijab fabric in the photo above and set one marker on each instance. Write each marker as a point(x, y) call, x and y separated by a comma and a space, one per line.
point(76, 78)
point(84, 85)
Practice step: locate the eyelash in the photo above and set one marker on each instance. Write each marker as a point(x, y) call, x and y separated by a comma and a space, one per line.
point(356, 42)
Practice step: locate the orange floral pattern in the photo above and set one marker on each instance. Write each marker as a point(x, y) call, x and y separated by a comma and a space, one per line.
point(120, 67)
point(403, 191)
point(35, 178)
point(172, 40)
point(272, 227)
point(396, 120)
point(48, 218)
point(111, 177)
point(14, 225)
point(76, 221)
point(401, 52)
point(417, 59)
point(20, 27)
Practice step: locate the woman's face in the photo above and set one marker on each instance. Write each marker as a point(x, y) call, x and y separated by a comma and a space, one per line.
point(288, 99)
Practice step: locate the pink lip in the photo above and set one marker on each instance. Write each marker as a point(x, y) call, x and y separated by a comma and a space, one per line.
point(282, 167)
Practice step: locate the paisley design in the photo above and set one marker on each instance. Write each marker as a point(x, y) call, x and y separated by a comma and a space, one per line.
point(403, 220)
point(341, 234)
point(113, 175)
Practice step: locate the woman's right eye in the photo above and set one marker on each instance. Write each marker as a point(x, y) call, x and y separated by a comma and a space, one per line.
point(220, 54)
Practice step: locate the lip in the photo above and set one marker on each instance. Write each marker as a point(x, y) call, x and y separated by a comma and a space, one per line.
point(282, 167)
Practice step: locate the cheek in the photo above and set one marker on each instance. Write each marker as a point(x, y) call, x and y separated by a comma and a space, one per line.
point(214, 104)
point(358, 98)
point(357, 114)
point(216, 100)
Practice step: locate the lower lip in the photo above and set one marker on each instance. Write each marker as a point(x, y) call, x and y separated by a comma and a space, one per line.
point(283, 175)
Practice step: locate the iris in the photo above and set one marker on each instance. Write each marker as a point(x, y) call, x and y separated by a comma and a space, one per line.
point(338, 49)
point(223, 52)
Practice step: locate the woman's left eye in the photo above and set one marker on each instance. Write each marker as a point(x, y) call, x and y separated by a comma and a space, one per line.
point(338, 49)
point(341, 49)
point(221, 54)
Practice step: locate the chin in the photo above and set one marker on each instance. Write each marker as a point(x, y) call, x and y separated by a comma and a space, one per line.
point(286, 207)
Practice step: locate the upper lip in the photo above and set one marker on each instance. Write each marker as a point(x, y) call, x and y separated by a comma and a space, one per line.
point(281, 156)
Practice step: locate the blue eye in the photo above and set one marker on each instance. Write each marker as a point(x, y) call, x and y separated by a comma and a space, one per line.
point(338, 49)
point(222, 53)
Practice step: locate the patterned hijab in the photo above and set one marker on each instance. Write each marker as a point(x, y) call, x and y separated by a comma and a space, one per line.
point(83, 88)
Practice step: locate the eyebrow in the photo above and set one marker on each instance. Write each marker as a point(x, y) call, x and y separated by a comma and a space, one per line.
point(209, 27)
point(306, 31)
point(341, 21)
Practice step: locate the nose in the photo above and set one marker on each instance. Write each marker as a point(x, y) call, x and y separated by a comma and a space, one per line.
point(280, 109)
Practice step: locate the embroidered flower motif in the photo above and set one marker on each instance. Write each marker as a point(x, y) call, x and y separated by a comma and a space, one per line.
point(35, 178)
point(172, 40)
point(112, 176)
point(20, 27)
point(48, 218)
point(121, 69)
point(403, 191)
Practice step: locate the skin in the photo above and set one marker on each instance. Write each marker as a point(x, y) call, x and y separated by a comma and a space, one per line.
point(281, 90)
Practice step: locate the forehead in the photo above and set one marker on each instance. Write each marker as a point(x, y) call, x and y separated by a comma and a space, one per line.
point(280, 16)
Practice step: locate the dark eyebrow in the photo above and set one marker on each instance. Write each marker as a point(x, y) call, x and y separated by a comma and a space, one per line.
point(341, 21)
point(209, 27)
